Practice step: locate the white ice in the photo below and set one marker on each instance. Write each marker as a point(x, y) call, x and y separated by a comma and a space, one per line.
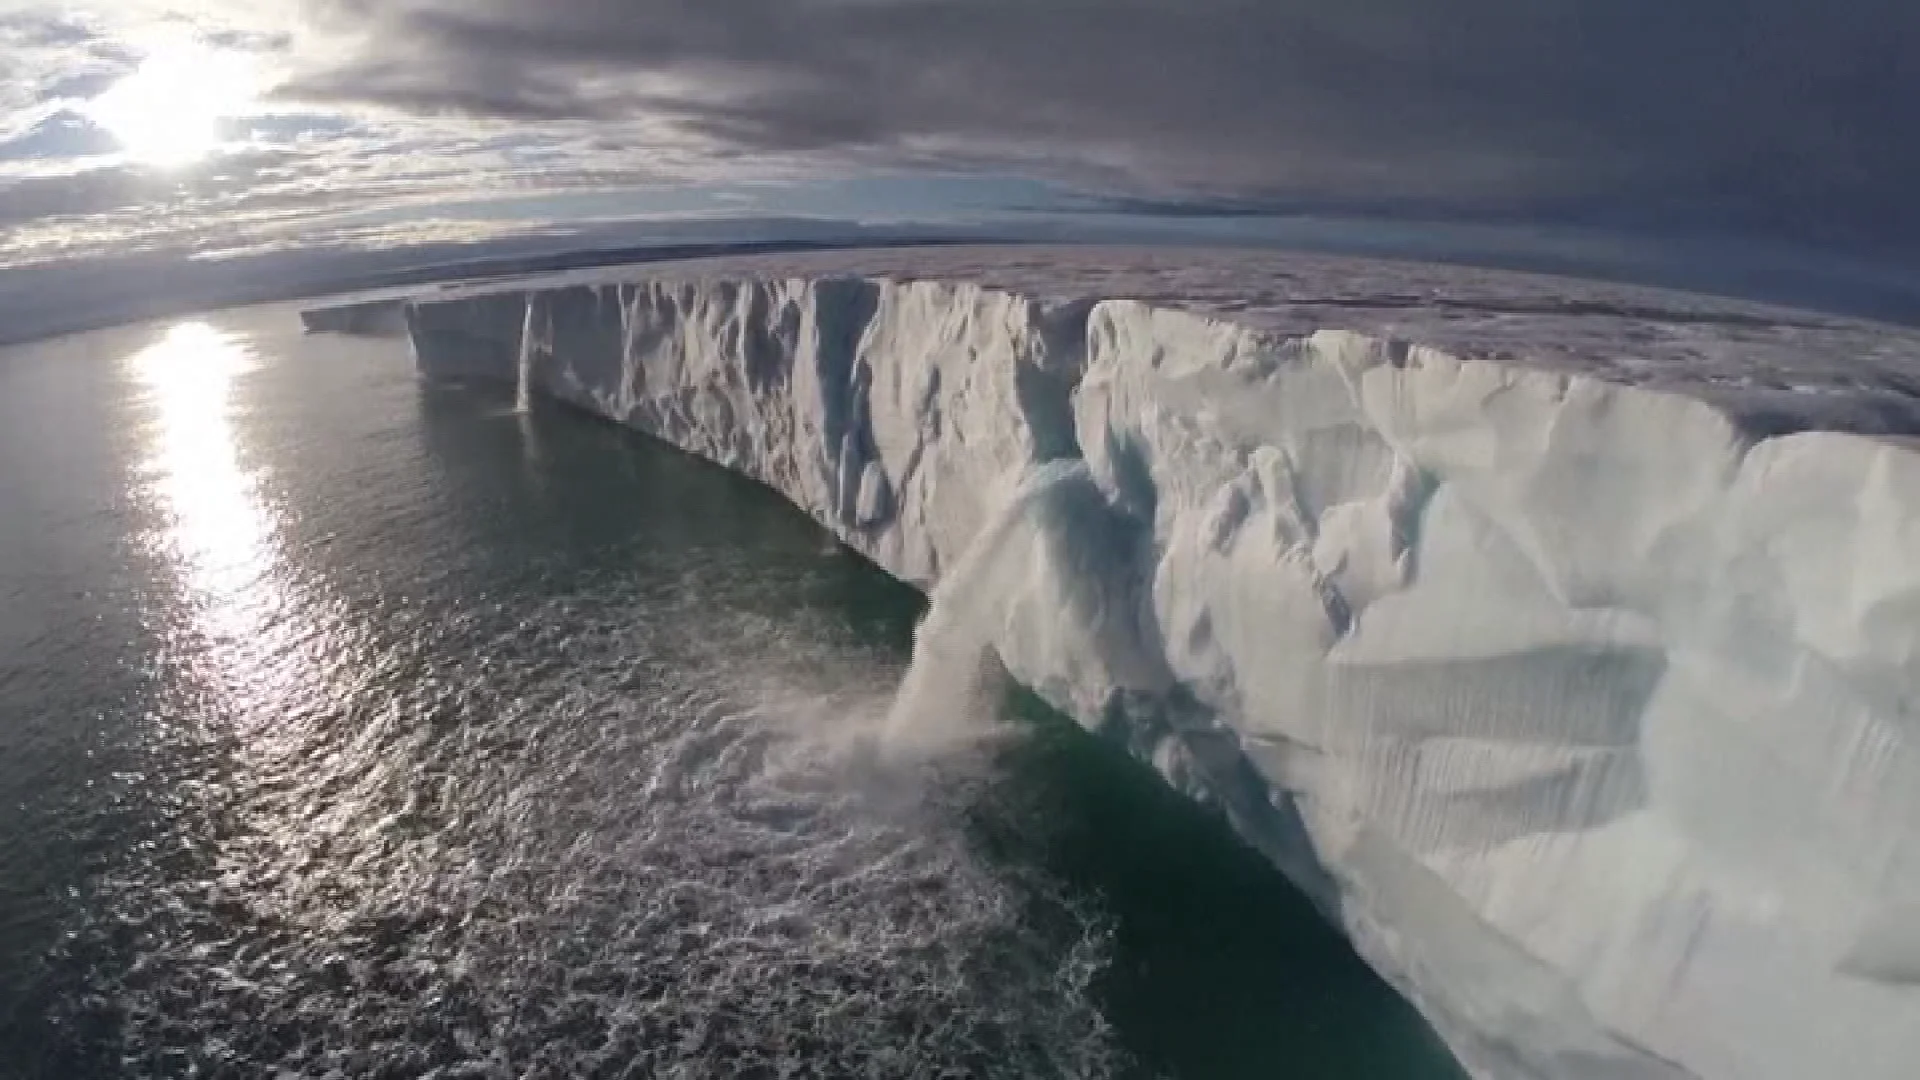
point(1562, 640)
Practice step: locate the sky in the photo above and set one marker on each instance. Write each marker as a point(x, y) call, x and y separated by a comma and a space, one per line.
point(223, 128)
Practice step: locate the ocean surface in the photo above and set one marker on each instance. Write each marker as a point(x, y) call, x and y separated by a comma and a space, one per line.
point(357, 726)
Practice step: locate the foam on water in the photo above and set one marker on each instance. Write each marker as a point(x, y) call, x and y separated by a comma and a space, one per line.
point(664, 850)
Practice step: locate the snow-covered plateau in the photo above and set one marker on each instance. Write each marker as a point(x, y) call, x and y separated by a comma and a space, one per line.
point(1563, 640)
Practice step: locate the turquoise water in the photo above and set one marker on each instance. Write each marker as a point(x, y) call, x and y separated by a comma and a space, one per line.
point(355, 726)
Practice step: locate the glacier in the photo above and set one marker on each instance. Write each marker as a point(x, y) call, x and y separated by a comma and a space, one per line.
point(369, 317)
point(1561, 640)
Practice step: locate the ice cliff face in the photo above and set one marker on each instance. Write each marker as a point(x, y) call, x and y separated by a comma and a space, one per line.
point(370, 318)
point(1591, 710)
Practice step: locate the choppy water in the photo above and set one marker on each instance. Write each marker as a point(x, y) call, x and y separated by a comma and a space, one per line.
point(356, 727)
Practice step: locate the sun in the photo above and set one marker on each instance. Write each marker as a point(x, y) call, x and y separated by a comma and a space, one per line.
point(169, 112)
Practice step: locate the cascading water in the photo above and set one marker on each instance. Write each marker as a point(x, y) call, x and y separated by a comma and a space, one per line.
point(523, 374)
point(1032, 584)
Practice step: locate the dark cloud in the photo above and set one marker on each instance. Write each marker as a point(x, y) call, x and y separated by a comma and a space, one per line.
point(1784, 116)
point(222, 183)
point(487, 88)
point(64, 134)
point(90, 192)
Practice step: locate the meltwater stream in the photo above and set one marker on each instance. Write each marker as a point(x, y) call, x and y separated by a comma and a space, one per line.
point(523, 364)
point(352, 726)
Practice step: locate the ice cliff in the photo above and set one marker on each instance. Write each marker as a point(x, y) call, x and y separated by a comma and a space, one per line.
point(364, 318)
point(1564, 642)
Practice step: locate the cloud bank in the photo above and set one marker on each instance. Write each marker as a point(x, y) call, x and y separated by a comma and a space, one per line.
point(1776, 115)
point(1779, 119)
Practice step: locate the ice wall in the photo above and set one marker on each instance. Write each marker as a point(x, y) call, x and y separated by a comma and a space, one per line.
point(1589, 712)
point(369, 318)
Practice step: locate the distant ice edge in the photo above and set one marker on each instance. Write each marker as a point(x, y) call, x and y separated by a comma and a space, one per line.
point(1591, 717)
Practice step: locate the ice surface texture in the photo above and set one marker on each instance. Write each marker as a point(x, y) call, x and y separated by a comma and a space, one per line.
point(1563, 641)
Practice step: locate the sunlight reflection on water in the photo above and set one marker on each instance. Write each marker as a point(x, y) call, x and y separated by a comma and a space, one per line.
point(219, 537)
point(242, 632)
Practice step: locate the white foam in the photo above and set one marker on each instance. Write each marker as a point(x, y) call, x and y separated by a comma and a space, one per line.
point(658, 841)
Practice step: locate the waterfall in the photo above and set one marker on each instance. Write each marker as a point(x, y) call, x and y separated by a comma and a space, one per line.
point(952, 688)
point(523, 382)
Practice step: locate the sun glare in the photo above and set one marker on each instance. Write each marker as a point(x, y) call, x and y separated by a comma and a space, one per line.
point(169, 112)
point(218, 534)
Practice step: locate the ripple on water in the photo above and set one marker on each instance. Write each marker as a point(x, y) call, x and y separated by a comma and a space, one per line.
point(626, 835)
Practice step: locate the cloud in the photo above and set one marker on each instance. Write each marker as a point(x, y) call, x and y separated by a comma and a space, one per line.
point(1772, 114)
point(1770, 118)
point(61, 134)
point(49, 28)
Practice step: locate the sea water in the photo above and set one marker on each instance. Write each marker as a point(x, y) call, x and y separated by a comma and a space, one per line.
point(358, 726)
